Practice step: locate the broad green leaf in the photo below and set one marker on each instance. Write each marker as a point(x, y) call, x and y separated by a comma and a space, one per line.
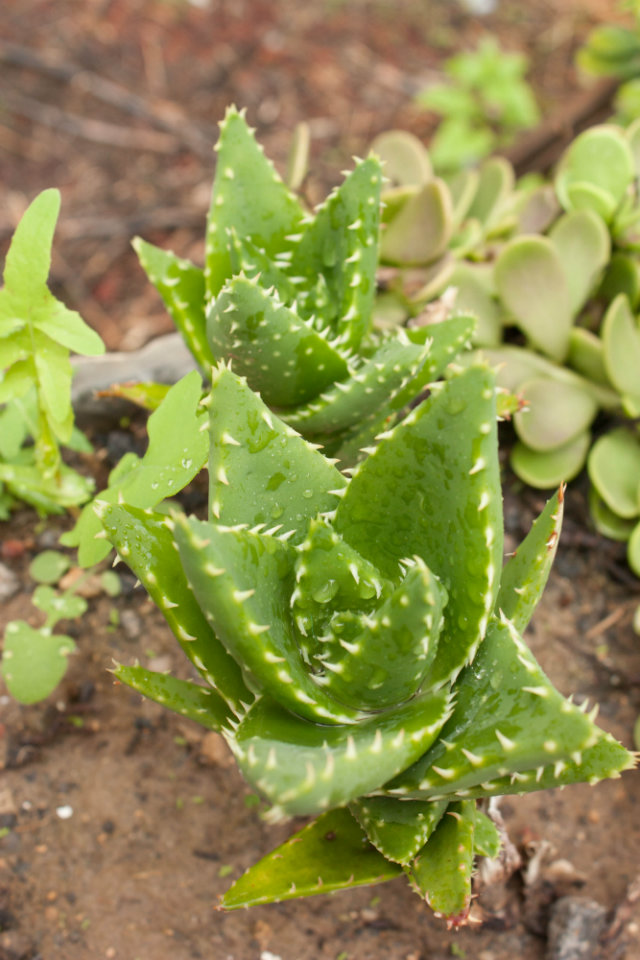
point(621, 342)
point(405, 159)
point(332, 853)
point(614, 470)
point(33, 661)
point(606, 522)
point(29, 257)
point(421, 231)
point(583, 244)
point(66, 327)
point(555, 414)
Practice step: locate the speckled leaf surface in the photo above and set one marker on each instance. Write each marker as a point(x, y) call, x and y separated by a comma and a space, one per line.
point(441, 872)
point(201, 704)
point(398, 828)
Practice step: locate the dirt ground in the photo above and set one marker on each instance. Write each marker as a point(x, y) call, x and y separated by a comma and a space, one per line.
point(120, 823)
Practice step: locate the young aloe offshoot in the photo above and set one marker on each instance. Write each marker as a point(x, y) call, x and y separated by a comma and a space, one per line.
point(288, 297)
point(354, 638)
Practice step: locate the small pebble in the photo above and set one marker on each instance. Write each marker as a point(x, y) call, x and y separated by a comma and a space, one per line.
point(64, 812)
point(267, 955)
point(574, 929)
point(131, 624)
point(9, 583)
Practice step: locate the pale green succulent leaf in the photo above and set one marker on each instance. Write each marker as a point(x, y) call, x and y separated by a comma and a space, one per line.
point(548, 469)
point(555, 414)
point(621, 344)
point(583, 244)
point(496, 183)
point(586, 355)
point(633, 550)
point(596, 170)
point(330, 854)
point(606, 522)
point(614, 470)
point(420, 232)
point(532, 284)
point(404, 157)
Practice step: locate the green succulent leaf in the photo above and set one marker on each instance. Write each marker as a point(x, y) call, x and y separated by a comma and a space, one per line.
point(442, 482)
point(441, 872)
point(330, 854)
point(201, 704)
point(33, 661)
point(486, 839)
point(306, 768)
point(606, 522)
point(596, 171)
point(583, 244)
point(398, 828)
point(58, 606)
point(421, 231)
point(249, 197)
point(182, 287)
point(614, 470)
point(547, 469)
point(404, 157)
point(621, 348)
point(557, 412)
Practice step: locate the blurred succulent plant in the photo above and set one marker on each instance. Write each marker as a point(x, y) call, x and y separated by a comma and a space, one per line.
point(612, 49)
point(485, 102)
point(359, 643)
point(288, 297)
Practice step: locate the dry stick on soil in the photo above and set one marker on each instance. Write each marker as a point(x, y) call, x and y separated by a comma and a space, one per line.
point(112, 93)
point(98, 131)
point(539, 149)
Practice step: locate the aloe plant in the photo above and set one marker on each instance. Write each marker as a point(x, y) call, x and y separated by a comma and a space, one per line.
point(358, 643)
point(287, 295)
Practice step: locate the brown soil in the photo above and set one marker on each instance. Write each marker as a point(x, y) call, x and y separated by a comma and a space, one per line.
point(160, 822)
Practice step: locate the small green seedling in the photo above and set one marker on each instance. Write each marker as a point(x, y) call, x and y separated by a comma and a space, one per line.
point(359, 643)
point(37, 333)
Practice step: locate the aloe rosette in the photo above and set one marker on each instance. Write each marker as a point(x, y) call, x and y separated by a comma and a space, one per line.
point(358, 643)
point(287, 295)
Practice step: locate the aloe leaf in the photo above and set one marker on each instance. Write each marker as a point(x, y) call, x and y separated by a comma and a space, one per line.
point(604, 758)
point(243, 324)
point(486, 839)
point(33, 661)
point(145, 541)
point(256, 264)
point(621, 343)
point(305, 768)
point(404, 157)
point(525, 574)
point(341, 244)
point(557, 412)
point(550, 468)
point(248, 196)
point(391, 369)
point(606, 522)
point(251, 481)
point(532, 285)
point(583, 244)
point(420, 232)
point(201, 704)
point(398, 828)
point(241, 582)
point(384, 658)
point(412, 466)
point(508, 718)
point(182, 287)
point(446, 340)
point(614, 470)
point(441, 872)
point(332, 853)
